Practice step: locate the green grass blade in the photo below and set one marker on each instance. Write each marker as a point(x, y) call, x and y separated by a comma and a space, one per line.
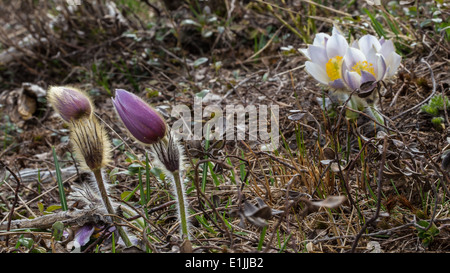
point(113, 244)
point(376, 25)
point(205, 165)
point(62, 195)
point(261, 238)
point(143, 195)
point(147, 176)
point(213, 174)
point(285, 243)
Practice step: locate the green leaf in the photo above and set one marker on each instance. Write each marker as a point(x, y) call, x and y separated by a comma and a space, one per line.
point(437, 120)
point(206, 33)
point(150, 93)
point(126, 195)
point(117, 141)
point(427, 236)
point(131, 157)
point(40, 207)
point(53, 208)
point(200, 61)
point(58, 229)
point(26, 242)
point(134, 168)
point(113, 175)
point(202, 93)
point(190, 22)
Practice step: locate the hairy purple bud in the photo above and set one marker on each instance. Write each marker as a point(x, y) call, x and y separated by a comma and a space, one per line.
point(70, 103)
point(140, 119)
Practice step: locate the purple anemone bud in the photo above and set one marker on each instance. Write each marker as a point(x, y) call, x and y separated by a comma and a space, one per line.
point(141, 120)
point(70, 103)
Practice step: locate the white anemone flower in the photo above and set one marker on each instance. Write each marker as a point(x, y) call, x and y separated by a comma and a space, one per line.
point(325, 58)
point(362, 71)
point(368, 43)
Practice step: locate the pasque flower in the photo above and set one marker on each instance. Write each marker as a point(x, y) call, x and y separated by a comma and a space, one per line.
point(89, 139)
point(369, 60)
point(370, 45)
point(92, 149)
point(141, 120)
point(325, 58)
point(148, 127)
point(357, 68)
point(70, 103)
point(334, 63)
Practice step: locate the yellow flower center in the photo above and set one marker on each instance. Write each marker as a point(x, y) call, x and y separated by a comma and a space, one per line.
point(363, 66)
point(333, 68)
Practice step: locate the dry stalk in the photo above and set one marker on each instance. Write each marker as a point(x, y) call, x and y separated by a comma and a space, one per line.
point(379, 180)
point(16, 192)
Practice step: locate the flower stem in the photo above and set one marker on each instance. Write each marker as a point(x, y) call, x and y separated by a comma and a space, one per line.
point(373, 112)
point(109, 207)
point(181, 203)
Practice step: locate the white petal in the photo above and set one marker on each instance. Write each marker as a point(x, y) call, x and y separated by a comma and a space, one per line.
point(367, 42)
point(320, 39)
point(317, 72)
point(338, 84)
point(304, 51)
point(372, 56)
point(352, 79)
point(336, 46)
point(335, 31)
point(393, 63)
point(318, 55)
point(387, 48)
point(391, 57)
point(353, 56)
point(380, 67)
point(378, 62)
point(366, 77)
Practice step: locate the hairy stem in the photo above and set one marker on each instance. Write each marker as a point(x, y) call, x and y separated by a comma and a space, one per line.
point(109, 207)
point(181, 203)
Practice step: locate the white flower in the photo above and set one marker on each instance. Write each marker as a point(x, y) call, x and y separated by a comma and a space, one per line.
point(325, 58)
point(369, 44)
point(332, 62)
point(359, 69)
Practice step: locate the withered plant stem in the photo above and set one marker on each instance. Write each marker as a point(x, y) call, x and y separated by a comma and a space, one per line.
point(15, 199)
point(379, 182)
point(109, 207)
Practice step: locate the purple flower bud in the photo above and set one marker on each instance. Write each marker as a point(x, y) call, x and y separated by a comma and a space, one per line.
point(70, 103)
point(141, 120)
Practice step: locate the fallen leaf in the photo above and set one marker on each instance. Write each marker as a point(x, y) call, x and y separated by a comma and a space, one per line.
point(330, 202)
point(257, 215)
